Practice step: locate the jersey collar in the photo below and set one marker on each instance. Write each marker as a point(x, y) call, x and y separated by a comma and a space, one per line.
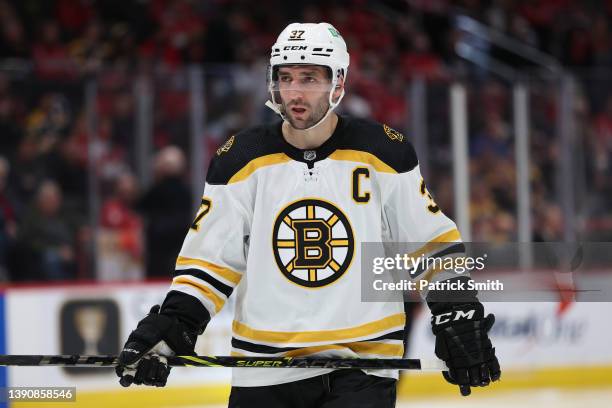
point(309, 156)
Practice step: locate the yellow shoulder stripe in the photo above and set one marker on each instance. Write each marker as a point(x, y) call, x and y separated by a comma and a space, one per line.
point(225, 273)
point(374, 327)
point(341, 154)
point(362, 157)
point(263, 161)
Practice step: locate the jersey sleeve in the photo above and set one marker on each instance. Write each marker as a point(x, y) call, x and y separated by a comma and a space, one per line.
point(415, 220)
point(212, 259)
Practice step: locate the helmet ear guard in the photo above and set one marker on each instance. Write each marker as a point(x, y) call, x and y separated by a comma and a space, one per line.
point(336, 85)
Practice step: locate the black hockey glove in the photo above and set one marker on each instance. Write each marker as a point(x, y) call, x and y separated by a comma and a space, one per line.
point(462, 341)
point(142, 359)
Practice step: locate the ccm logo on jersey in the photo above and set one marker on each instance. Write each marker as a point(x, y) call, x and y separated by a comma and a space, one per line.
point(459, 314)
point(313, 242)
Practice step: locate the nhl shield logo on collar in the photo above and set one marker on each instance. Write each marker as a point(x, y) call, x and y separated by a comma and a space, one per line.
point(310, 155)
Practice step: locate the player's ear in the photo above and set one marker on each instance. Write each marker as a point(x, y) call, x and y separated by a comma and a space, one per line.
point(338, 88)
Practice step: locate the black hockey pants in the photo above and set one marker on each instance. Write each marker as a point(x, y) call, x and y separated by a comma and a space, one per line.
point(338, 389)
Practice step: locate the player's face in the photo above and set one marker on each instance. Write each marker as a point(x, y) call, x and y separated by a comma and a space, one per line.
point(304, 92)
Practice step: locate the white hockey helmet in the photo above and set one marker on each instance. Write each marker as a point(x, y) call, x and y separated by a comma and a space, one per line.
point(308, 44)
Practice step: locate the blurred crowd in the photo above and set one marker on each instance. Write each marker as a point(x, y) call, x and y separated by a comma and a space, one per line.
point(51, 195)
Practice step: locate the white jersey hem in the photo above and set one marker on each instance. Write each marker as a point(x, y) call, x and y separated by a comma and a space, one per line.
point(258, 381)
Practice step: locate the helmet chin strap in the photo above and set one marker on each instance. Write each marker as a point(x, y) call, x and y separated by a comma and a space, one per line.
point(276, 107)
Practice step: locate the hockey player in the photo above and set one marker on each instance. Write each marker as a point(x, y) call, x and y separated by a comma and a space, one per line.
point(284, 210)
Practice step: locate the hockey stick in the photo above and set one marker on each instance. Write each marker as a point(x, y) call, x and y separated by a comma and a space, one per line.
point(226, 361)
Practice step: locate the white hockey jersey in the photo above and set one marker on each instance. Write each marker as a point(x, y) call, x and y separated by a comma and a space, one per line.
point(279, 228)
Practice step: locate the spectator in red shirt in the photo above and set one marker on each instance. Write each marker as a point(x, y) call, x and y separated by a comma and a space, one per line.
point(422, 61)
point(50, 54)
point(120, 235)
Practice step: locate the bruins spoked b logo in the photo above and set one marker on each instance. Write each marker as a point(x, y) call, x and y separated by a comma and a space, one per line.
point(313, 242)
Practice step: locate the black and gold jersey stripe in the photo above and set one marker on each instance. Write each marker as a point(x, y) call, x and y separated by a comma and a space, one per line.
point(371, 329)
point(253, 347)
point(354, 139)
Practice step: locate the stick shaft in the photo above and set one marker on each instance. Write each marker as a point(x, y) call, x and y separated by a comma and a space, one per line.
point(227, 361)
